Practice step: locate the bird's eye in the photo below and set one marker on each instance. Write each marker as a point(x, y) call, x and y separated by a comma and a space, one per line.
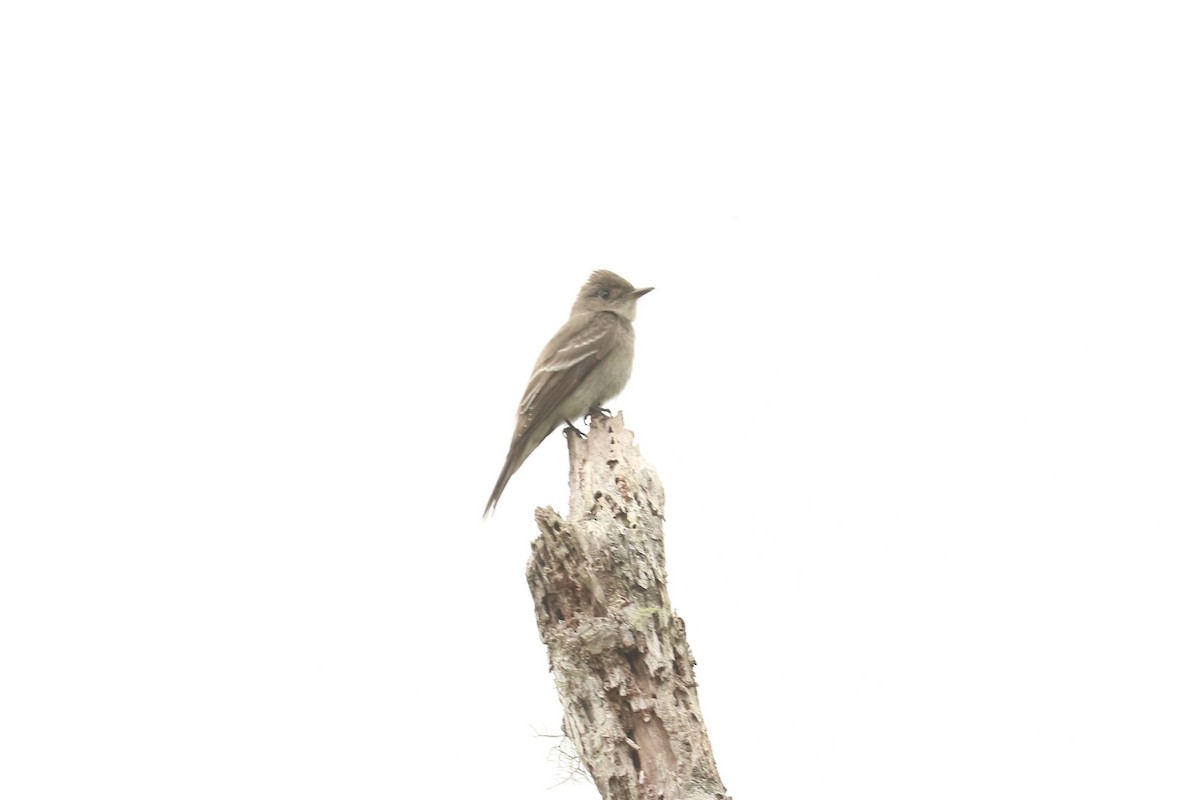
point(604, 294)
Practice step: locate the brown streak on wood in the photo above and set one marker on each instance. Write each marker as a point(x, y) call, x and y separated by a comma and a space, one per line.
point(618, 652)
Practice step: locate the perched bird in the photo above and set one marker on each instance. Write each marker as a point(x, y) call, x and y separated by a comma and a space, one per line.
point(586, 363)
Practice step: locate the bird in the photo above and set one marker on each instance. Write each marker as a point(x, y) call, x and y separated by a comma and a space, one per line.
point(584, 365)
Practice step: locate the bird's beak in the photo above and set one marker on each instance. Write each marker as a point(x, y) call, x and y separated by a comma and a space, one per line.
point(636, 293)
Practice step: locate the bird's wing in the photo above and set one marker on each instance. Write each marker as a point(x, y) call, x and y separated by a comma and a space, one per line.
point(568, 358)
point(564, 364)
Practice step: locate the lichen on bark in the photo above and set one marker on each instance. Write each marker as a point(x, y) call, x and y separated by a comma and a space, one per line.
point(618, 652)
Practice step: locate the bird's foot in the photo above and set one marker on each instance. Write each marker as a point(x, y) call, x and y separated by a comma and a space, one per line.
point(571, 428)
point(596, 412)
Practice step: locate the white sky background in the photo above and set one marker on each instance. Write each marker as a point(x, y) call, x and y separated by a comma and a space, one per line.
point(919, 375)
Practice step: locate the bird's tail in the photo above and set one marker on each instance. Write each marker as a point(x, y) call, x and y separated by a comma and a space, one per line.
point(501, 482)
point(517, 453)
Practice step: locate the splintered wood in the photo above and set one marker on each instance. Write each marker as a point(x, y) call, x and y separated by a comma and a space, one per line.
point(618, 652)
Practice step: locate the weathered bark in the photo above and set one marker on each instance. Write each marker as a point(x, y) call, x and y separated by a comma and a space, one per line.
point(619, 654)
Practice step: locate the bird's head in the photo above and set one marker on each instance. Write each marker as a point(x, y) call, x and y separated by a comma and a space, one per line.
point(608, 291)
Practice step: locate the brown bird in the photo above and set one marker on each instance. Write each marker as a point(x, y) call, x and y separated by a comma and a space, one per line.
point(586, 363)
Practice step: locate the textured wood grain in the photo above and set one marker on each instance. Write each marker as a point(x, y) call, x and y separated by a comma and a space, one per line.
point(618, 652)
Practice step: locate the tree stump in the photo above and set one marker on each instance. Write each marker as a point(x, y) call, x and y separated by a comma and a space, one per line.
point(618, 652)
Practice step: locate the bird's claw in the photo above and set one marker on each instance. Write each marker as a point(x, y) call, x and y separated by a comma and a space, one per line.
point(597, 411)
